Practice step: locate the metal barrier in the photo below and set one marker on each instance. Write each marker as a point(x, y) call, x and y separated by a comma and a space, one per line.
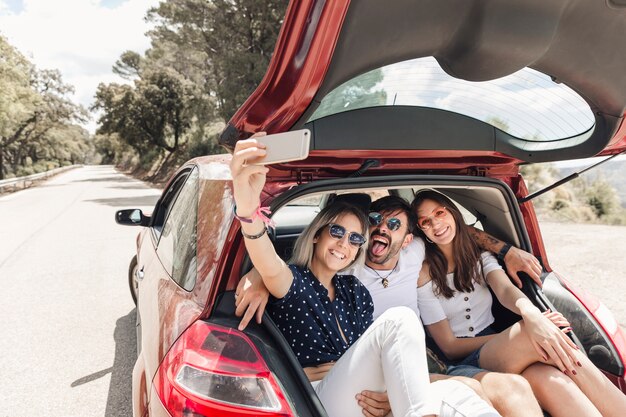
point(14, 184)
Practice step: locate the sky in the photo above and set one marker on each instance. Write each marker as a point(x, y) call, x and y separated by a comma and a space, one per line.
point(81, 38)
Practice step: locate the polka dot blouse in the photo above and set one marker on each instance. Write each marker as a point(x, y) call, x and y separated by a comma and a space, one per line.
point(309, 319)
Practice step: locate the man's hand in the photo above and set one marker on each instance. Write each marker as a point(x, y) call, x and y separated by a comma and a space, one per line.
point(517, 260)
point(250, 297)
point(374, 404)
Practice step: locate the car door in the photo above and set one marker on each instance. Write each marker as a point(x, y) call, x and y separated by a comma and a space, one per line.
point(168, 263)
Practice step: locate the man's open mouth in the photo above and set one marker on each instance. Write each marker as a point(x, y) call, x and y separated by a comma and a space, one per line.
point(379, 244)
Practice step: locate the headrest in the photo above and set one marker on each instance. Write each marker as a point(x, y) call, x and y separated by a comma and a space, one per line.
point(360, 200)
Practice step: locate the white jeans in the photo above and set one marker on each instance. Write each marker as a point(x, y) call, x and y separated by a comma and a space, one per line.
point(391, 356)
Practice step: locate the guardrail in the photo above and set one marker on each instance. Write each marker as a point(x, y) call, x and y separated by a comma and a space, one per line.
point(14, 184)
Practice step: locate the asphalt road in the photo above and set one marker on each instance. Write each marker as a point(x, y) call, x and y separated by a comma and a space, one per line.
point(67, 319)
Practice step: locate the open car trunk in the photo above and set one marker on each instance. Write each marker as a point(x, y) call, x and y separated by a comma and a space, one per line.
point(488, 204)
point(577, 44)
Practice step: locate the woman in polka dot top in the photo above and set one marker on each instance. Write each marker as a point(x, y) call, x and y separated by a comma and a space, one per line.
point(327, 317)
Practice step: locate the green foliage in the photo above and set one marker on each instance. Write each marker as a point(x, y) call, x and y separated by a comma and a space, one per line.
point(601, 197)
point(222, 46)
point(128, 66)
point(153, 113)
point(205, 59)
point(37, 119)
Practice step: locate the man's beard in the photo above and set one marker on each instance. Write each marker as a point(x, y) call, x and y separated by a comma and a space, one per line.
point(392, 250)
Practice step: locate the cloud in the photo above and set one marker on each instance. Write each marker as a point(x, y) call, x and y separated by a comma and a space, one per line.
point(81, 38)
point(527, 101)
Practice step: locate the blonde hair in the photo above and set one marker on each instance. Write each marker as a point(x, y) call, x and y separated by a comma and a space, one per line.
point(304, 247)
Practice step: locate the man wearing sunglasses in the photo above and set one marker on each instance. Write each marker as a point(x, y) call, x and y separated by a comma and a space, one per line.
point(393, 261)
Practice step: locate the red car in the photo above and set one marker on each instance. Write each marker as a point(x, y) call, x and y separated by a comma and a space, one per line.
point(398, 96)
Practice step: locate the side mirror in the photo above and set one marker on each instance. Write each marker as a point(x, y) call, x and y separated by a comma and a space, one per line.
point(132, 217)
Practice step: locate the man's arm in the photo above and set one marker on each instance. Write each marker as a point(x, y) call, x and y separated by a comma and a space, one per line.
point(251, 298)
point(516, 260)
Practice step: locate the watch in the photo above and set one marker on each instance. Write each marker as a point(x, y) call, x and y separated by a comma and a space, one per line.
point(502, 253)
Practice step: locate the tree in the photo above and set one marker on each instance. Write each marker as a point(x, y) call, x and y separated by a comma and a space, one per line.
point(17, 98)
point(498, 123)
point(222, 46)
point(153, 112)
point(128, 66)
point(205, 59)
point(32, 103)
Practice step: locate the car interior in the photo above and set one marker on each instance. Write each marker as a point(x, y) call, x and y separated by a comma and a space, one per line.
point(486, 204)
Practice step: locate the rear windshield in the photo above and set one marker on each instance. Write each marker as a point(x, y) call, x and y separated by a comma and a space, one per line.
point(527, 104)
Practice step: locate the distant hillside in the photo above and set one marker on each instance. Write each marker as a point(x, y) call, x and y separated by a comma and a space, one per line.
point(614, 172)
point(597, 196)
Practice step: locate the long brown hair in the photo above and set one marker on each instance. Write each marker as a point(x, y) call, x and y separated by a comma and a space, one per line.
point(464, 250)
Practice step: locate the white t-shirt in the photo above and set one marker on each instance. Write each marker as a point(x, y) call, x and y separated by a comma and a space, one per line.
point(402, 288)
point(468, 313)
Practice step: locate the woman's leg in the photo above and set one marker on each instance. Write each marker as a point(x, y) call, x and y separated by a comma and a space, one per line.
point(557, 393)
point(390, 356)
point(510, 394)
point(511, 351)
point(608, 399)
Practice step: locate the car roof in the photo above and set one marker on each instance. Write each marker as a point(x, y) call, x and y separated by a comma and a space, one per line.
point(322, 44)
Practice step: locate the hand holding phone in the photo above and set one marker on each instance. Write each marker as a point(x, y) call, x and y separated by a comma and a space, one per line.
point(284, 147)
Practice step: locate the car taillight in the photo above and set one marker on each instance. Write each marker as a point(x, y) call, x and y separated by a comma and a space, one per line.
point(216, 371)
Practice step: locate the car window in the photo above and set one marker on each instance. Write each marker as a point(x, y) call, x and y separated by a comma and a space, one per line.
point(527, 104)
point(165, 203)
point(177, 246)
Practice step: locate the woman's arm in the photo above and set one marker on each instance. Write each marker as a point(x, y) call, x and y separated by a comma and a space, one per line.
point(547, 339)
point(248, 182)
point(454, 347)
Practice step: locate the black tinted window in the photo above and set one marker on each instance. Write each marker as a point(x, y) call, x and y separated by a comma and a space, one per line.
point(177, 245)
point(166, 202)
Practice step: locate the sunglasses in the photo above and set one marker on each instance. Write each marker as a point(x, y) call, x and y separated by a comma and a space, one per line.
point(426, 222)
point(338, 232)
point(376, 219)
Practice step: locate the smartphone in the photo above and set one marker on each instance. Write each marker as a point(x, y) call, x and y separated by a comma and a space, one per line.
point(284, 147)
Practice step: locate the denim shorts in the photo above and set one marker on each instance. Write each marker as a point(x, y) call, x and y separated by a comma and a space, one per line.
point(469, 366)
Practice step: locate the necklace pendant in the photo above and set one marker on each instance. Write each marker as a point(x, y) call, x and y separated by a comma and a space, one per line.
point(385, 282)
